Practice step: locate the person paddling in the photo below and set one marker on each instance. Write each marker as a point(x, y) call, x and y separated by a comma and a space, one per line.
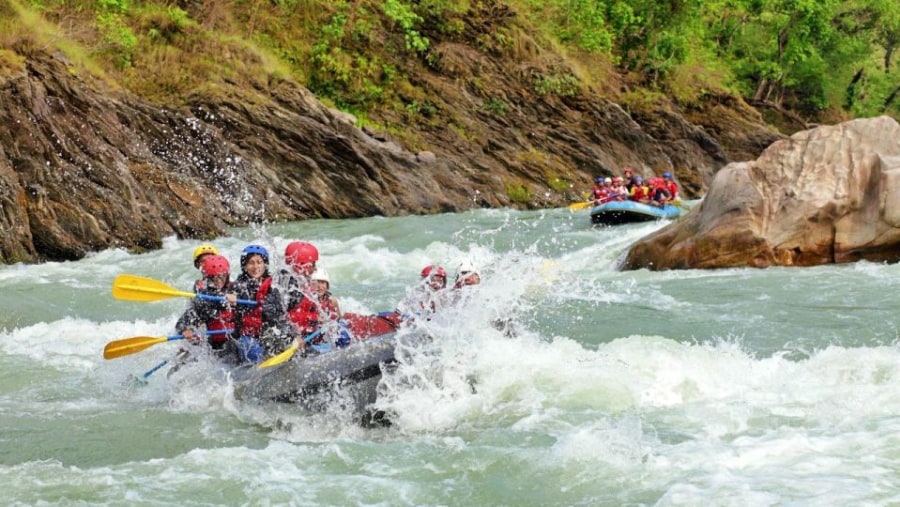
point(258, 329)
point(295, 284)
point(428, 296)
point(671, 185)
point(466, 275)
point(330, 315)
point(213, 315)
point(201, 253)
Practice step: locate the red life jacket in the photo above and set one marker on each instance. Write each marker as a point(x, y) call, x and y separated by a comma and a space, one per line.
point(673, 189)
point(223, 320)
point(304, 315)
point(251, 325)
point(328, 307)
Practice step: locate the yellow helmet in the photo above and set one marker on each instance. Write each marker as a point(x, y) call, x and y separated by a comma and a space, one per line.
point(202, 250)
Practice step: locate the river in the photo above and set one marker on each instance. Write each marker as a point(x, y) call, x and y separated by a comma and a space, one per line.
point(740, 387)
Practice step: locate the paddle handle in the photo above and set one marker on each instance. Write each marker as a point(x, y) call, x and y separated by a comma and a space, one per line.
point(174, 337)
point(153, 370)
point(213, 332)
point(221, 299)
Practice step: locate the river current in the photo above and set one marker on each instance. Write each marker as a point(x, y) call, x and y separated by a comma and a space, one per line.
point(741, 387)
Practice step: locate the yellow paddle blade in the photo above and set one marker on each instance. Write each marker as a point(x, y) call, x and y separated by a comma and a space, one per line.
point(128, 346)
point(280, 358)
point(581, 205)
point(138, 288)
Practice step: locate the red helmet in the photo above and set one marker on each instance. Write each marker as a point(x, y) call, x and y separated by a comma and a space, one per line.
point(215, 265)
point(300, 252)
point(433, 269)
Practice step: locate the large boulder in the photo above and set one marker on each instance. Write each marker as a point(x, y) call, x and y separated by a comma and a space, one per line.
point(826, 195)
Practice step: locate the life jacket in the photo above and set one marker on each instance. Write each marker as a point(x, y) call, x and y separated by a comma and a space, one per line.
point(224, 319)
point(640, 193)
point(599, 192)
point(251, 324)
point(673, 189)
point(607, 195)
point(304, 315)
point(328, 308)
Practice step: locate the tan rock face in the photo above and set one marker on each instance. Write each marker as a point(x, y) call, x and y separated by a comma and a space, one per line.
point(827, 195)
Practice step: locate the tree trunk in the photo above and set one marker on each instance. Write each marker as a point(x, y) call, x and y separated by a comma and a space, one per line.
point(889, 52)
point(761, 89)
point(891, 98)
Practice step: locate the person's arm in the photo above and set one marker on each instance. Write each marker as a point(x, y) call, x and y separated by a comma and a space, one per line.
point(337, 307)
point(189, 321)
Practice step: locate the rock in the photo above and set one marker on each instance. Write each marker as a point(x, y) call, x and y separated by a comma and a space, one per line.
point(84, 167)
point(426, 157)
point(826, 195)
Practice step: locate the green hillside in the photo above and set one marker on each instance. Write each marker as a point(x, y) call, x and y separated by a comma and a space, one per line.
point(822, 60)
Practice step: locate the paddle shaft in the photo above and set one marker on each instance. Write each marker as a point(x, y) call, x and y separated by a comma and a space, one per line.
point(221, 299)
point(288, 353)
point(151, 371)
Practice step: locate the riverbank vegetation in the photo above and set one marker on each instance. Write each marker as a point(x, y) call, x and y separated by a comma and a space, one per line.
point(821, 60)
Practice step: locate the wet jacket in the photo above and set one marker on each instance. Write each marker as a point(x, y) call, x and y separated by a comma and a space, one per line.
point(267, 315)
point(214, 315)
point(302, 309)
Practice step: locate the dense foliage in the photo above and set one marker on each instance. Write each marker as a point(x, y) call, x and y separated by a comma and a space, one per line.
point(826, 59)
point(808, 55)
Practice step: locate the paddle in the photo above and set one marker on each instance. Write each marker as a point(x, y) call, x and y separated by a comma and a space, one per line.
point(580, 205)
point(151, 371)
point(138, 288)
point(142, 380)
point(288, 352)
point(587, 203)
point(128, 346)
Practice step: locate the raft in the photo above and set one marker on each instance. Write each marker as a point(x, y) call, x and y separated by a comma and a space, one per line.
point(624, 212)
point(350, 373)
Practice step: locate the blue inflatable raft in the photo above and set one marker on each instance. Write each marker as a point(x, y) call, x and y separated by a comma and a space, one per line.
point(624, 212)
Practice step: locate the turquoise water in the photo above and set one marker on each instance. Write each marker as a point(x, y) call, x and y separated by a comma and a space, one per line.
point(728, 387)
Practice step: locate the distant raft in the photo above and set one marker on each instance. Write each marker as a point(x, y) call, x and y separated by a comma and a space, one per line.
point(625, 212)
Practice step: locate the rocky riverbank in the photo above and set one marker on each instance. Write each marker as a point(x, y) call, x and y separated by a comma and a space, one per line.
point(86, 166)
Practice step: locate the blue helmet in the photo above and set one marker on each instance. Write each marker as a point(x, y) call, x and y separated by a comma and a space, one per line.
point(598, 180)
point(254, 250)
point(667, 175)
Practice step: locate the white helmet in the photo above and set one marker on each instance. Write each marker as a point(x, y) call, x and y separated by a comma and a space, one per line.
point(465, 269)
point(607, 180)
point(320, 275)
